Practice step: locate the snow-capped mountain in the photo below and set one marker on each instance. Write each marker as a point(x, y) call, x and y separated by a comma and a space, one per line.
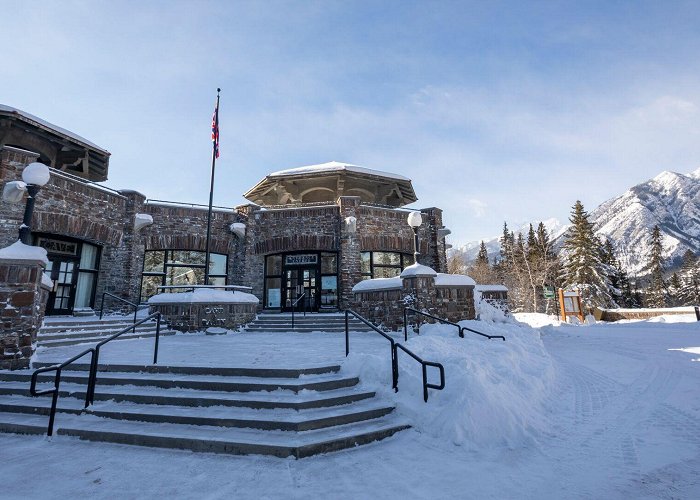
point(670, 200)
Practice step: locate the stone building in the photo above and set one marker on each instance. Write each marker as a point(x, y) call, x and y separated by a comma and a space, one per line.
point(312, 232)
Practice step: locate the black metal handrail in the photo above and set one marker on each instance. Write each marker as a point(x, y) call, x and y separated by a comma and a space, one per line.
point(459, 328)
point(424, 367)
point(92, 377)
point(294, 306)
point(132, 304)
point(395, 346)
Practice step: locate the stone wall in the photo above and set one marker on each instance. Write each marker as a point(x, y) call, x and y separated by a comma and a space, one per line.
point(188, 317)
point(385, 307)
point(22, 305)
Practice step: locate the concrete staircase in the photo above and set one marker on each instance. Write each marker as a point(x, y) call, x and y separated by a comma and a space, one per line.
point(280, 412)
point(58, 332)
point(312, 322)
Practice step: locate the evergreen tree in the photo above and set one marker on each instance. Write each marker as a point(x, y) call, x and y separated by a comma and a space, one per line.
point(690, 279)
point(480, 270)
point(674, 290)
point(583, 268)
point(656, 292)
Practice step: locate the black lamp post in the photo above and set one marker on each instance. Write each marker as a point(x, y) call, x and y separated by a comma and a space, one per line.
point(35, 175)
point(415, 220)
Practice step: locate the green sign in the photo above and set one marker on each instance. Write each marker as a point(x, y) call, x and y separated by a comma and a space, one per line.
point(548, 292)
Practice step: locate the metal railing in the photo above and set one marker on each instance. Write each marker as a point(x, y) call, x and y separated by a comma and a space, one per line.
point(460, 329)
point(294, 306)
point(395, 346)
point(92, 376)
point(132, 304)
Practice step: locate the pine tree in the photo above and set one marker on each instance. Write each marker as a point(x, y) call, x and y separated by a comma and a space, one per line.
point(690, 279)
point(480, 270)
point(656, 295)
point(674, 290)
point(583, 269)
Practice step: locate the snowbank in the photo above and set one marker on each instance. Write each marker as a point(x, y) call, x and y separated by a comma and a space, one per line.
point(494, 391)
point(204, 295)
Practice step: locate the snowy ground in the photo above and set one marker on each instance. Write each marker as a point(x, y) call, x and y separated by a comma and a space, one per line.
point(557, 411)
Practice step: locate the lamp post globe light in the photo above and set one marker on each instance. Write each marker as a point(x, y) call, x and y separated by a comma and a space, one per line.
point(415, 219)
point(35, 175)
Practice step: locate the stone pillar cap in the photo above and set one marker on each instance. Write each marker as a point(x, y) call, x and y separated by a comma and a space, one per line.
point(416, 270)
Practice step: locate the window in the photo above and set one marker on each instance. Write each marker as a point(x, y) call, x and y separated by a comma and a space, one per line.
point(383, 264)
point(87, 275)
point(180, 267)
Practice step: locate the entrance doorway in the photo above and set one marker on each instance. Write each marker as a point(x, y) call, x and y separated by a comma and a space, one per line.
point(62, 296)
point(73, 268)
point(300, 284)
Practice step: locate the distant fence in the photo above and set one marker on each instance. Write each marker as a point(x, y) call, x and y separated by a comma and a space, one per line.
point(618, 314)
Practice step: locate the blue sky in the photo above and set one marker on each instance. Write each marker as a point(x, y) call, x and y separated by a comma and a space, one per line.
point(498, 111)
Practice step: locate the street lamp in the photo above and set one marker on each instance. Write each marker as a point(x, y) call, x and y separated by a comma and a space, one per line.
point(415, 220)
point(35, 175)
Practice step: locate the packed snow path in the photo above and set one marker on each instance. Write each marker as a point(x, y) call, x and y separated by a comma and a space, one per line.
point(621, 419)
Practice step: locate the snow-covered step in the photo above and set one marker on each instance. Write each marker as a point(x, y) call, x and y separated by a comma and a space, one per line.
point(72, 331)
point(96, 339)
point(279, 419)
point(232, 440)
point(204, 370)
point(202, 398)
point(282, 412)
point(203, 382)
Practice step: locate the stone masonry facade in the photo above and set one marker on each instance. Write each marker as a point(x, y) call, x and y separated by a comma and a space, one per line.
point(22, 303)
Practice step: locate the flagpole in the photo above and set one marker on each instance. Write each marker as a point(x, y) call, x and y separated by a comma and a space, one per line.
point(215, 141)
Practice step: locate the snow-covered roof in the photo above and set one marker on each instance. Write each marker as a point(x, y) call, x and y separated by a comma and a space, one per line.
point(491, 288)
point(326, 182)
point(418, 270)
point(336, 166)
point(51, 126)
point(20, 251)
point(204, 296)
point(443, 279)
point(378, 284)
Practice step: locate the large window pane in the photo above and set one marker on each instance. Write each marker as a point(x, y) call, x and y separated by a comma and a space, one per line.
point(329, 263)
point(365, 257)
point(274, 265)
point(186, 257)
point(217, 263)
point(182, 275)
point(84, 289)
point(153, 261)
point(88, 257)
point(408, 260)
point(386, 258)
point(386, 272)
point(273, 288)
point(149, 286)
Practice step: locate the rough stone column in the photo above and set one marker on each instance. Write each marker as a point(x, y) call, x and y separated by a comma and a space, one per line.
point(22, 305)
point(129, 254)
point(349, 267)
point(250, 269)
point(435, 256)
